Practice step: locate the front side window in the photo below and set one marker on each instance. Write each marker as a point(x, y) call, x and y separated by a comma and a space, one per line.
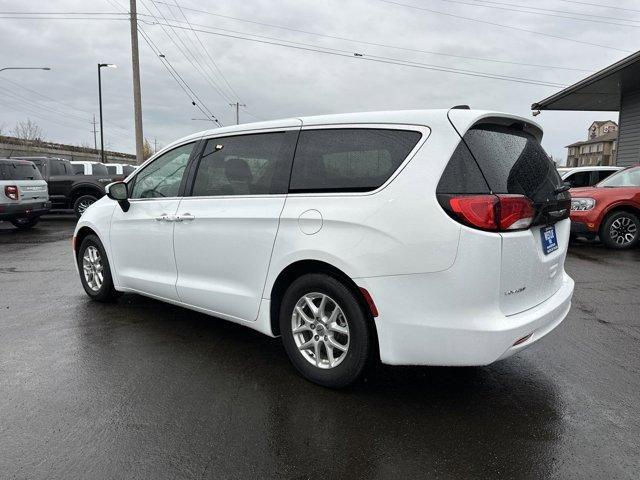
point(162, 177)
point(624, 178)
point(254, 164)
point(349, 159)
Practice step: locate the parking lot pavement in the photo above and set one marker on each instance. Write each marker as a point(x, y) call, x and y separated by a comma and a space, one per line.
point(141, 389)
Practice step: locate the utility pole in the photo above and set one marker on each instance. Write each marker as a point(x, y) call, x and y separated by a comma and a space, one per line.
point(135, 64)
point(95, 142)
point(237, 105)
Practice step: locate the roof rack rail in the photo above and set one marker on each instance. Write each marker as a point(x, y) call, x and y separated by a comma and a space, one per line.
point(461, 107)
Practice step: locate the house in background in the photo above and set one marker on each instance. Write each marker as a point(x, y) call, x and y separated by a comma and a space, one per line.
point(599, 148)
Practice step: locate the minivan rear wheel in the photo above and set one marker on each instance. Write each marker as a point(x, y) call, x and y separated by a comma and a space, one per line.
point(620, 230)
point(325, 331)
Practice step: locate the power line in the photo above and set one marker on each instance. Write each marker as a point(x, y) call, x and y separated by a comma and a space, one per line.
point(197, 65)
point(204, 48)
point(601, 6)
point(172, 71)
point(496, 5)
point(375, 58)
point(376, 44)
point(502, 25)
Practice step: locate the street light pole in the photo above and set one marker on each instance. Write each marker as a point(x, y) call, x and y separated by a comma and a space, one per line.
point(100, 65)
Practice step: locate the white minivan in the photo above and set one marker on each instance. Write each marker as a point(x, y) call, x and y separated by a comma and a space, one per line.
point(427, 237)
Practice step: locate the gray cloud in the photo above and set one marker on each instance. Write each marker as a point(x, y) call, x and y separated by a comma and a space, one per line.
point(277, 82)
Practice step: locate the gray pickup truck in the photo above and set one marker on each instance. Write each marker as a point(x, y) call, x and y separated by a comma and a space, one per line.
point(24, 196)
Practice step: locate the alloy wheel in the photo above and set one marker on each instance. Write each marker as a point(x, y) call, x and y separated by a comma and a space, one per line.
point(623, 230)
point(92, 268)
point(83, 205)
point(320, 330)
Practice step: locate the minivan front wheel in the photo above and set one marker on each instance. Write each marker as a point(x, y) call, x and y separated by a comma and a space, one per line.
point(620, 230)
point(95, 272)
point(325, 330)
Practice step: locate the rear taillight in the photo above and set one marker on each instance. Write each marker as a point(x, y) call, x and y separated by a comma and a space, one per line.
point(11, 192)
point(490, 212)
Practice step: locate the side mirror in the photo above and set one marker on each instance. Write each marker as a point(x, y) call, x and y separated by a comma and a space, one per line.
point(118, 191)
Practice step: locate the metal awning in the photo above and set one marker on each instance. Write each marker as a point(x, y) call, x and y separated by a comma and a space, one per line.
point(601, 91)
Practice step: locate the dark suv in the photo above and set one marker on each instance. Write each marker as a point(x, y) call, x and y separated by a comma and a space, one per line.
point(68, 189)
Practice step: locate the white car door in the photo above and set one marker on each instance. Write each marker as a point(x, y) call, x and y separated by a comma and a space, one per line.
point(142, 238)
point(227, 225)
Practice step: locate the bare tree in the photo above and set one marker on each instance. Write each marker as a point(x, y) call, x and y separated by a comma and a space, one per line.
point(147, 151)
point(28, 130)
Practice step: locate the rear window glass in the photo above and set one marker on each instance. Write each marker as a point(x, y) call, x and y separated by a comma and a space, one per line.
point(349, 159)
point(19, 171)
point(99, 169)
point(128, 169)
point(513, 161)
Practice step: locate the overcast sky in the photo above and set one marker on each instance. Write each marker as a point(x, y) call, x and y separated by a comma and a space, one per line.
point(276, 81)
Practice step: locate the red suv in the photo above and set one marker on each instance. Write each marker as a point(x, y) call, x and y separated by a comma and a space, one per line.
point(610, 209)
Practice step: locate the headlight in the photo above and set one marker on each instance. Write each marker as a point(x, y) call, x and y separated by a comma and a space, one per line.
point(581, 204)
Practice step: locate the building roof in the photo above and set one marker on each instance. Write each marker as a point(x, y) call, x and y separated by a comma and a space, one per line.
point(601, 91)
point(607, 137)
point(603, 122)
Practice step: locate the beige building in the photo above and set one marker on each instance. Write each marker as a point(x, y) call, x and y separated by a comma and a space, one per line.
point(600, 148)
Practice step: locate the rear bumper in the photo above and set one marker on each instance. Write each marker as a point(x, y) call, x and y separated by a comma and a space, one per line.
point(11, 211)
point(481, 339)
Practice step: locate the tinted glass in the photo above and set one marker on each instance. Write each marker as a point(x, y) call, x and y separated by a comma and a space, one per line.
point(19, 171)
point(624, 178)
point(462, 174)
point(602, 174)
point(513, 161)
point(112, 169)
point(78, 169)
point(99, 169)
point(579, 179)
point(58, 167)
point(245, 165)
point(128, 170)
point(349, 159)
point(162, 177)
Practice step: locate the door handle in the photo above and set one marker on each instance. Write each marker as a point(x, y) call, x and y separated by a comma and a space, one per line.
point(163, 218)
point(185, 216)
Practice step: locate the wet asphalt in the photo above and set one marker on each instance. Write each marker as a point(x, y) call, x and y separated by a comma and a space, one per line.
point(141, 389)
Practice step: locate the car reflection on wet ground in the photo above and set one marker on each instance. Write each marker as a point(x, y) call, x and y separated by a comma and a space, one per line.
point(147, 390)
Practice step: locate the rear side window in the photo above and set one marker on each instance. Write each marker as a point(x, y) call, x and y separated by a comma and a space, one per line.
point(349, 159)
point(78, 169)
point(602, 174)
point(112, 169)
point(513, 161)
point(128, 169)
point(19, 171)
point(99, 169)
point(579, 179)
point(255, 164)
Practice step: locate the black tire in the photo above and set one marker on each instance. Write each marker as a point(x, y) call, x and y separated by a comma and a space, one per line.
point(360, 340)
point(82, 203)
point(620, 230)
point(25, 223)
point(106, 292)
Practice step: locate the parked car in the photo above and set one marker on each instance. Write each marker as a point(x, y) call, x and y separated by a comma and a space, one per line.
point(68, 190)
point(120, 169)
point(23, 193)
point(382, 235)
point(611, 210)
point(586, 176)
